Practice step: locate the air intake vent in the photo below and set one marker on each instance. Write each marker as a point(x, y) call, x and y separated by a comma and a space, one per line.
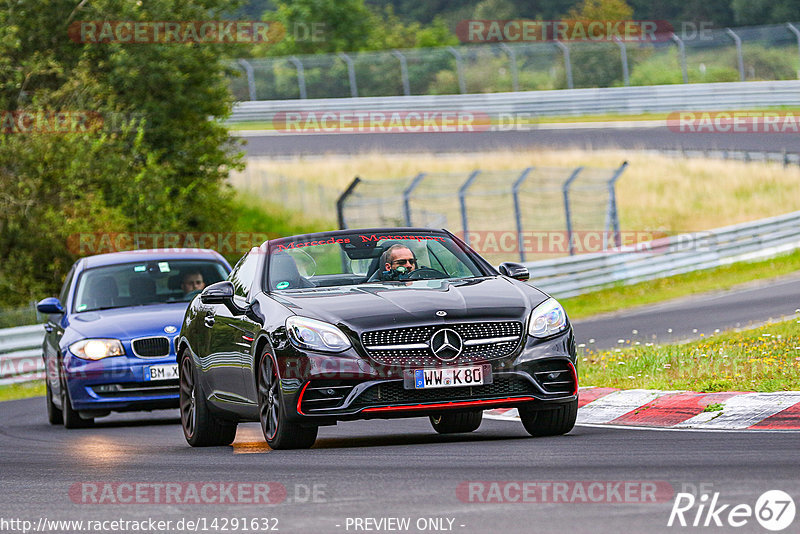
point(151, 347)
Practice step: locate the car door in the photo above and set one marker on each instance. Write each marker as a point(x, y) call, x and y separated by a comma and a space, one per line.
point(53, 332)
point(231, 335)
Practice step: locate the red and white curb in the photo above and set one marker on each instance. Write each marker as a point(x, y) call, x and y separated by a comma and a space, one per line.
point(681, 409)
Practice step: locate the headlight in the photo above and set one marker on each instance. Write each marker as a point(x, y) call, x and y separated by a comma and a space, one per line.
point(547, 319)
point(97, 349)
point(311, 334)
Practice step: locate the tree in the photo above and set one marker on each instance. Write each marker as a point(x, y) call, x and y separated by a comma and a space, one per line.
point(162, 168)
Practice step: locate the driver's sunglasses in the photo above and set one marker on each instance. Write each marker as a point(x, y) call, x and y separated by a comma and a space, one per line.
point(404, 261)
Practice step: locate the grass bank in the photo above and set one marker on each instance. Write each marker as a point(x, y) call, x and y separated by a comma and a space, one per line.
point(763, 359)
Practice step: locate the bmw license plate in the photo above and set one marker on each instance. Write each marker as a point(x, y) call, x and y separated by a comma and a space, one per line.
point(448, 377)
point(161, 372)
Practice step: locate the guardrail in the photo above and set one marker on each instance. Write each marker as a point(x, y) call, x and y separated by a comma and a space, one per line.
point(626, 100)
point(21, 354)
point(574, 275)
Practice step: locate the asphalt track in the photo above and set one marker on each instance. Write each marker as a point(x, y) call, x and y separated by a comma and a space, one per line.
point(382, 469)
point(696, 316)
point(660, 137)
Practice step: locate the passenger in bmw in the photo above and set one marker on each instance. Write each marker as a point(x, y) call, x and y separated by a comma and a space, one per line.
point(398, 262)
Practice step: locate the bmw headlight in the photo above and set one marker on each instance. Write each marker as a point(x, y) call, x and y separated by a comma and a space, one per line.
point(547, 319)
point(97, 349)
point(311, 334)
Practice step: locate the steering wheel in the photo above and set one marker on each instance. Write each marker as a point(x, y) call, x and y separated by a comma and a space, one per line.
point(425, 273)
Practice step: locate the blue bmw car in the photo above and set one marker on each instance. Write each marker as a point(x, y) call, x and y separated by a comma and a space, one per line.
point(109, 341)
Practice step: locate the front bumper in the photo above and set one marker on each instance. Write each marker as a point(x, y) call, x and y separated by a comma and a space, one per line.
point(542, 372)
point(118, 384)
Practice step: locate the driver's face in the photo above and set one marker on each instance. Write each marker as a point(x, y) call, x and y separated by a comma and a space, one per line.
point(192, 282)
point(402, 257)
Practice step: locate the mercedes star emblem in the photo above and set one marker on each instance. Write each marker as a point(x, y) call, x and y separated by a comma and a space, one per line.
point(446, 344)
point(441, 313)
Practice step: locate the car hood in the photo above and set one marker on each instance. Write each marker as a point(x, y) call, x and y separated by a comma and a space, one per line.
point(128, 323)
point(385, 305)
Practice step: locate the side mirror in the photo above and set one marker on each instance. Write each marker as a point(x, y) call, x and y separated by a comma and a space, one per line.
point(517, 271)
point(219, 293)
point(50, 306)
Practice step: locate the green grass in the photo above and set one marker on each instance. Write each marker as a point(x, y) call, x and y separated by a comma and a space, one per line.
point(22, 391)
point(623, 297)
point(763, 359)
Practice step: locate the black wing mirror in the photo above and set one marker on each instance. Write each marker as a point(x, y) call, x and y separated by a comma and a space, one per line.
point(517, 271)
point(219, 293)
point(50, 306)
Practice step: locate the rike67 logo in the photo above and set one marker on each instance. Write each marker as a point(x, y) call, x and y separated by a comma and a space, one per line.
point(774, 510)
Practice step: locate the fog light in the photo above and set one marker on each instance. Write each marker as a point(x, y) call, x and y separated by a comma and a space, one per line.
point(554, 375)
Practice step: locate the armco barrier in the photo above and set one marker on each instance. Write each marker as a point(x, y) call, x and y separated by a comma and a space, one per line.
point(574, 275)
point(626, 100)
point(21, 354)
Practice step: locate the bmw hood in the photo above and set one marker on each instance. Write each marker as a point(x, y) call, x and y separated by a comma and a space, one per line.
point(387, 305)
point(129, 323)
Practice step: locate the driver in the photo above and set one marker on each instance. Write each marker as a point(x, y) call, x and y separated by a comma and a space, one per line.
point(398, 262)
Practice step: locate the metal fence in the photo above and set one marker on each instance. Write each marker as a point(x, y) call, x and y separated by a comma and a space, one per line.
point(316, 201)
point(627, 100)
point(690, 55)
point(21, 354)
point(484, 204)
point(785, 158)
point(761, 239)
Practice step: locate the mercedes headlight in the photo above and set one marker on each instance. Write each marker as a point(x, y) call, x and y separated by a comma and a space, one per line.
point(97, 349)
point(316, 335)
point(547, 319)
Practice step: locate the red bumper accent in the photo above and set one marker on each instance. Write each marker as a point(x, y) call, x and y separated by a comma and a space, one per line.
point(454, 404)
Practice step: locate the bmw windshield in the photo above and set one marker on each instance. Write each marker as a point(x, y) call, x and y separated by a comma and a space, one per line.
point(343, 259)
point(146, 282)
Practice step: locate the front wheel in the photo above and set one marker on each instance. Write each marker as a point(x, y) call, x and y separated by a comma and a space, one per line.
point(456, 423)
point(550, 421)
point(279, 433)
point(70, 417)
point(201, 428)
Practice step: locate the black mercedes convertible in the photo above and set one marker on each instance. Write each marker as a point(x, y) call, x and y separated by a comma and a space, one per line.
point(314, 329)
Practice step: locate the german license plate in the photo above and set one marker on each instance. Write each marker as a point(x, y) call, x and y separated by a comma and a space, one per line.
point(161, 372)
point(448, 377)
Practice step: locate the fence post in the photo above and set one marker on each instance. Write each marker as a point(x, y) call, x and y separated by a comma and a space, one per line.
point(251, 78)
point(301, 76)
point(351, 73)
point(340, 202)
point(462, 86)
point(623, 54)
point(567, 63)
point(512, 58)
point(612, 203)
point(796, 32)
point(517, 213)
point(462, 198)
point(407, 197)
point(682, 53)
point(403, 71)
point(739, 56)
point(567, 214)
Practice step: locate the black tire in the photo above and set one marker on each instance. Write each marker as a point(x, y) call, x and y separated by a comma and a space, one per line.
point(455, 423)
point(550, 422)
point(278, 431)
point(70, 417)
point(54, 414)
point(201, 428)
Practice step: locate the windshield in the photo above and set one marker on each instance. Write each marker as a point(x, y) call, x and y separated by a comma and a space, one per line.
point(363, 258)
point(146, 282)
